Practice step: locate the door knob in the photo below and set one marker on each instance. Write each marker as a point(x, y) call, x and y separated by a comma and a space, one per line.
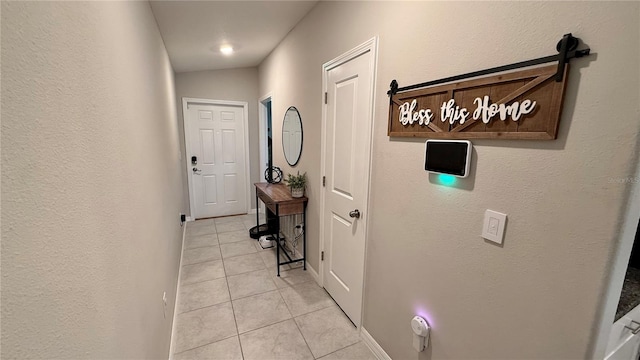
point(196, 170)
point(355, 214)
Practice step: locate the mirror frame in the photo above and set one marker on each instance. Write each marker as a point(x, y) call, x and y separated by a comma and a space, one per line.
point(301, 136)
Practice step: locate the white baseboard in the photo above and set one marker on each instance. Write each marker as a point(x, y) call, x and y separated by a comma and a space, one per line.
point(314, 273)
point(253, 211)
point(175, 306)
point(373, 345)
point(189, 218)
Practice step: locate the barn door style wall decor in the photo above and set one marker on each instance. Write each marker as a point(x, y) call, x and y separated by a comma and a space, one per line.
point(522, 104)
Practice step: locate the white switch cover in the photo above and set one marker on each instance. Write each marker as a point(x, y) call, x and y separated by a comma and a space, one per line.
point(493, 226)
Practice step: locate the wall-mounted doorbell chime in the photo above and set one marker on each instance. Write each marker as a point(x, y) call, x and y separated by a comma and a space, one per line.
point(421, 332)
point(450, 157)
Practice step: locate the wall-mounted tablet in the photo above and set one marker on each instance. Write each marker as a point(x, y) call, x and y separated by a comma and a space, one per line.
point(450, 157)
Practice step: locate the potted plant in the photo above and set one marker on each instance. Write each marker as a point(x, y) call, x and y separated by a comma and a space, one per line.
point(297, 184)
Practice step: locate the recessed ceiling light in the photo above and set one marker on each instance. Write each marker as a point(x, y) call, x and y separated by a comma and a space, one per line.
point(226, 49)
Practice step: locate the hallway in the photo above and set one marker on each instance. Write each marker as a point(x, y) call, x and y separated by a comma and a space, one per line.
point(97, 174)
point(233, 306)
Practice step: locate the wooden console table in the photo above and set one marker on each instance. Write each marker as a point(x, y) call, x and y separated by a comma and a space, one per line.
point(277, 198)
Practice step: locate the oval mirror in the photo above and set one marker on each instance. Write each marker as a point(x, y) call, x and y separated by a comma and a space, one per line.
point(292, 135)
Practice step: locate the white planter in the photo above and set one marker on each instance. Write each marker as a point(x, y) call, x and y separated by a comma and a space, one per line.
point(296, 193)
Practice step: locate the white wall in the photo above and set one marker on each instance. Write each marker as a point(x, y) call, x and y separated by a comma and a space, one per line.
point(236, 85)
point(539, 294)
point(91, 185)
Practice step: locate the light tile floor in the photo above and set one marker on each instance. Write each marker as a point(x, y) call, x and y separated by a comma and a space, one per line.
point(233, 306)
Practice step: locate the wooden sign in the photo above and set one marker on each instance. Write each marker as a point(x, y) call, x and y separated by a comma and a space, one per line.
point(524, 104)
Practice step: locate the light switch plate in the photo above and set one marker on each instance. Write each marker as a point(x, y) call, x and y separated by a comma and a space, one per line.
point(493, 226)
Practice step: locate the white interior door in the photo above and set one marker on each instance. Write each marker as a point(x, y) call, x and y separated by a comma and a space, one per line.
point(218, 179)
point(347, 142)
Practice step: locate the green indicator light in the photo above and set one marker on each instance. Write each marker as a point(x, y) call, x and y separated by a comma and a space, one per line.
point(447, 180)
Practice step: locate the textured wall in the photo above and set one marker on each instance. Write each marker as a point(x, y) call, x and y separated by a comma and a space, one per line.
point(538, 295)
point(91, 185)
point(236, 85)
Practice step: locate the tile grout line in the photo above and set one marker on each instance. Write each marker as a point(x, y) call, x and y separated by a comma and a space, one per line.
point(202, 230)
point(233, 310)
point(200, 247)
point(278, 289)
point(211, 305)
point(262, 327)
point(246, 272)
point(179, 288)
point(202, 262)
point(266, 326)
point(303, 338)
point(296, 323)
point(277, 322)
point(221, 257)
point(226, 278)
point(333, 352)
point(246, 296)
point(342, 348)
point(333, 301)
point(204, 307)
point(201, 281)
point(263, 292)
point(213, 342)
point(281, 321)
point(244, 228)
point(237, 241)
point(249, 253)
point(204, 234)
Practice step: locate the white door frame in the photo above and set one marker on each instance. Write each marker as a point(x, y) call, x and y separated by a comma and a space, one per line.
point(372, 46)
point(262, 119)
point(187, 144)
point(619, 264)
point(263, 130)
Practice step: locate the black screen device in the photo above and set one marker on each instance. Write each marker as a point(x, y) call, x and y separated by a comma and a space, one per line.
point(450, 157)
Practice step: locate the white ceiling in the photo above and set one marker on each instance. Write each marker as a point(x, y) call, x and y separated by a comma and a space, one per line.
point(194, 30)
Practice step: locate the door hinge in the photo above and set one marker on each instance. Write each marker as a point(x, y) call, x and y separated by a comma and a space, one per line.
point(322, 256)
point(326, 96)
point(324, 181)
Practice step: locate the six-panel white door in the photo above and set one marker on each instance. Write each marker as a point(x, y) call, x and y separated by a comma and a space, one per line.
point(218, 178)
point(347, 146)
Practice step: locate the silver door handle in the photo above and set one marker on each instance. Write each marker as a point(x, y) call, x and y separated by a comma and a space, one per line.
point(634, 330)
point(196, 171)
point(355, 214)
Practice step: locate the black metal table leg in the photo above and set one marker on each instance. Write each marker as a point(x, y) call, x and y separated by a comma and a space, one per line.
point(257, 215)
point(304, 238)
point(278, 238)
